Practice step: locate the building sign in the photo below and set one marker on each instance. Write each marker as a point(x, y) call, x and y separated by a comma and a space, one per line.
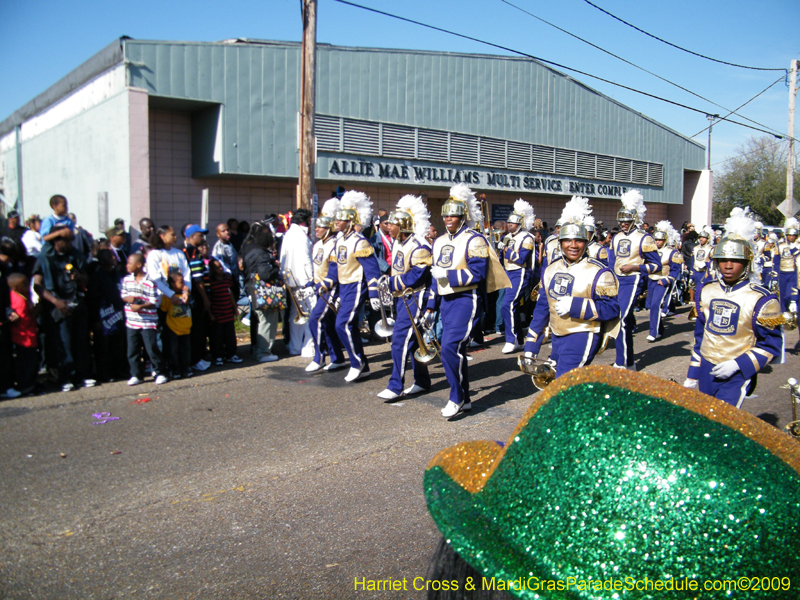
point(414, 173)
point(501, 212)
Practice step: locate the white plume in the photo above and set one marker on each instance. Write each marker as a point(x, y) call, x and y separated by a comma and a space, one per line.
point(589, 221)
point(521, 207)
point(664, 226)
point(361, 203)
point(633, 200)
point(419, 212)
point(575, 211)
point(791, 222)
point(674, 237)
point(330, 207)
point(741, 226)
point(461, 191)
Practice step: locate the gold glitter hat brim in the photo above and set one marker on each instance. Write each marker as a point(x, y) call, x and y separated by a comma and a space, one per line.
point(612, 473)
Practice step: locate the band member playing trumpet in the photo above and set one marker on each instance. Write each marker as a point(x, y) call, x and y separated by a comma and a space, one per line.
point(738, 328)
point(410, 277)
point(518, 256)
point(322, 321)
point(660, 283)
point(356, 272)
point(581, 304)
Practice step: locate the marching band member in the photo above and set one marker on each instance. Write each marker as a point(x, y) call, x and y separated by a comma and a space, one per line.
point(633, 254)
point(458, 286)
point(322, 321)
point(595, 249)
point(356, 271)
point(410, 268)
point(738, 329)
point(660, 283)
point(552, 248)
point(519, 255)
point(784, 264)
point(702, 256)
point(760, 246)
point(581, 292)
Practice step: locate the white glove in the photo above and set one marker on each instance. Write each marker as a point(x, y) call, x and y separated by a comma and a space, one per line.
point(529, 355)
point(430, 318)
point(563, 305)
point(690, 383)
point(793, 306)
point(500, 246)
point(725, 370)
point(375, 304)
point(438, 272)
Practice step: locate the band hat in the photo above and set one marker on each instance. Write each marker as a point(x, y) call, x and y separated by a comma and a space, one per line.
point(412, 216)
point(356, 207)
point(792, 226)
point(462, 203)
point(633, 208)
point(523, 214)
point(614, 474)
point(573, 217)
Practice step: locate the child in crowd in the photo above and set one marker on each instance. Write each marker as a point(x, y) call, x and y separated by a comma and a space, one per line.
point(141, 298)
point(48, 230)
point(24, 332)
point(179, 324)
point(223, 311)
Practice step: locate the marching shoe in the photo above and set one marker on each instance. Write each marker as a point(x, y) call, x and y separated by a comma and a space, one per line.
point(631, 368)
point(134, 381)
point(650, 338)
point(161, 379)
point(312, 367)
point(334, 365)
point(388, 394)
point(509, 348)
point(452, 409)
point(414, 389)
point(354, 374)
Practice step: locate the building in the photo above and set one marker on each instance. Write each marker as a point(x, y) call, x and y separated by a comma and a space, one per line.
point(143, 127)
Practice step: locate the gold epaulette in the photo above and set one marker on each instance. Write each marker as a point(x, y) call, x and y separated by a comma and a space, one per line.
point(649, 246)
point(602, 253)
point(677, 258)
point(481, 252)
point(528, 244)
point(425, 260)
point(364, 252)
point(606, 290)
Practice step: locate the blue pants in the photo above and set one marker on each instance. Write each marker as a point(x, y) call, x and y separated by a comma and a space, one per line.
point(519, 280)
point(404, 343)
point(322, 324)
point(574, 350)
point(786, 282)
point(353, 297)
point(656, 296)
point(731, 390)
point(498, 321)
point(628, 290)
point(461, 313)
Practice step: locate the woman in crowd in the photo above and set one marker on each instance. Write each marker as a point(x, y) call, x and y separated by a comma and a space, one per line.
point(261, 269)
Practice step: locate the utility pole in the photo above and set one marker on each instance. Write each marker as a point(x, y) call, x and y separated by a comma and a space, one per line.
point(790, 162)
point(710, 125)
point(306, 187)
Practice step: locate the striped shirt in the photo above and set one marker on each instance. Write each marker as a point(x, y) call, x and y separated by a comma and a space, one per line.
point(219, 294)
point(145, 292)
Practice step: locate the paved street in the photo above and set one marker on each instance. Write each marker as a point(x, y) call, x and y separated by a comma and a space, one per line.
point(257, 481)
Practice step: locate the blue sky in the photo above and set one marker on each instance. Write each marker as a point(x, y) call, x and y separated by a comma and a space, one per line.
point(43, 40)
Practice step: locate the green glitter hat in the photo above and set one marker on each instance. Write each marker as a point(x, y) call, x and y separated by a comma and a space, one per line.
point(616, 476)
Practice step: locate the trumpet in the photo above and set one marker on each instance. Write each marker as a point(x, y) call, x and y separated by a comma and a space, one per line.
point(535, 292)
point(427, 351)
point(385, 327)
point(794, 390)
point(299, 296)
point(542, 374)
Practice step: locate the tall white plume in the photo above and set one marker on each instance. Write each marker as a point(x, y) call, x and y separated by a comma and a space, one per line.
point(461, 191)
point(633, 200)
point(419, 212)
point(589, 221)
point(526, 210)
point(575, 211)
point(361, 203)
point(330, 207)
point(791, 222)
point(741, 226)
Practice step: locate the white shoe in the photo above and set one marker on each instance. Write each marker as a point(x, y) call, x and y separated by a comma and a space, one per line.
point(161, 379)
point(509, 348)
point(67, 387)
point(414, 389)
point(89, 383)
point(334, 365)
point(650, 338)
point(388, 394)
point(313, 367)
point(469, 358)
point(631, 368)
point(245, 321)
point(452, 409)
point(201, 365)
point(11, 393)
point(268, 358)
point(134, 381)
point(307, 353)
point(354, 374)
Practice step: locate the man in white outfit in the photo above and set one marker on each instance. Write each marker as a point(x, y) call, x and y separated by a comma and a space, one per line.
point(296, 257)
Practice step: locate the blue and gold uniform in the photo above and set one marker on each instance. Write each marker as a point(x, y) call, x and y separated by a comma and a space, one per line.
point(659, 285)
point(322, 320)
point(701, 257)
point(552, 250)
point(784, 264)
point(519, 255)
point(597, 251)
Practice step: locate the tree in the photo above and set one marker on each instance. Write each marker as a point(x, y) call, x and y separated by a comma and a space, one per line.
point(756, 177)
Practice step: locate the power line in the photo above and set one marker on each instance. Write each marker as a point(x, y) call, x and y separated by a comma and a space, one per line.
point(550, 62)
point(745, 104)
point(678, 47)
point(680, 87)
point(730, 158)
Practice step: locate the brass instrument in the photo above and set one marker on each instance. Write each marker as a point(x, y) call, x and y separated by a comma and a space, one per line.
point(429, 337)
point(693, 312)
point(542, 374)
point(794, 427)
point(497, 235)
point(535, 291)
point(790, 319)
point(299, 297)
point(427, 350)
point(385, 327)
point(484, 206)
point(326, 299)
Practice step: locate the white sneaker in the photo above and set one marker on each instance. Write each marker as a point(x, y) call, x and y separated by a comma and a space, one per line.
point(452, 409)
point(89, 383)
point(67, 387)
point(201, 365)
point(160, 379)
point(268, 358)
point(388, 394)
point(631, 368)
point(353, 374)
point(307, 353)
point(313, 367)
point(650, 338)
point(11, 393)
point(334, 365)
point(414, 389)
point(134, 381)
point(509, 348)
point(246, 321)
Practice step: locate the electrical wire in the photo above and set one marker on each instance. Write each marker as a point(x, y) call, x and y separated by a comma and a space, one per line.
point(680, 87)
point(550, 62)
point(602, 10)
point(743, 105)
point(730, 158)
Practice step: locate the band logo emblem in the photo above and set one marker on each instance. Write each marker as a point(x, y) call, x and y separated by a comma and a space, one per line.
point(561, 285)
point(341, 256)
point(624, 248)
point(318, 256)
point(724, 317)
point(399, 262)
point(446, 256)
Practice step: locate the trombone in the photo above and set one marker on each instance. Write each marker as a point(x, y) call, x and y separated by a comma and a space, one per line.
point(385, 327)
point(794, 427)
point(302, 303)
point(427, 350)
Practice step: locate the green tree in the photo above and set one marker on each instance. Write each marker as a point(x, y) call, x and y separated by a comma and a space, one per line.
point(756, 177)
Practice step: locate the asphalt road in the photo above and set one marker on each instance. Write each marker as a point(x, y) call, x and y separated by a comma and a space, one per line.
point(256, 481)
